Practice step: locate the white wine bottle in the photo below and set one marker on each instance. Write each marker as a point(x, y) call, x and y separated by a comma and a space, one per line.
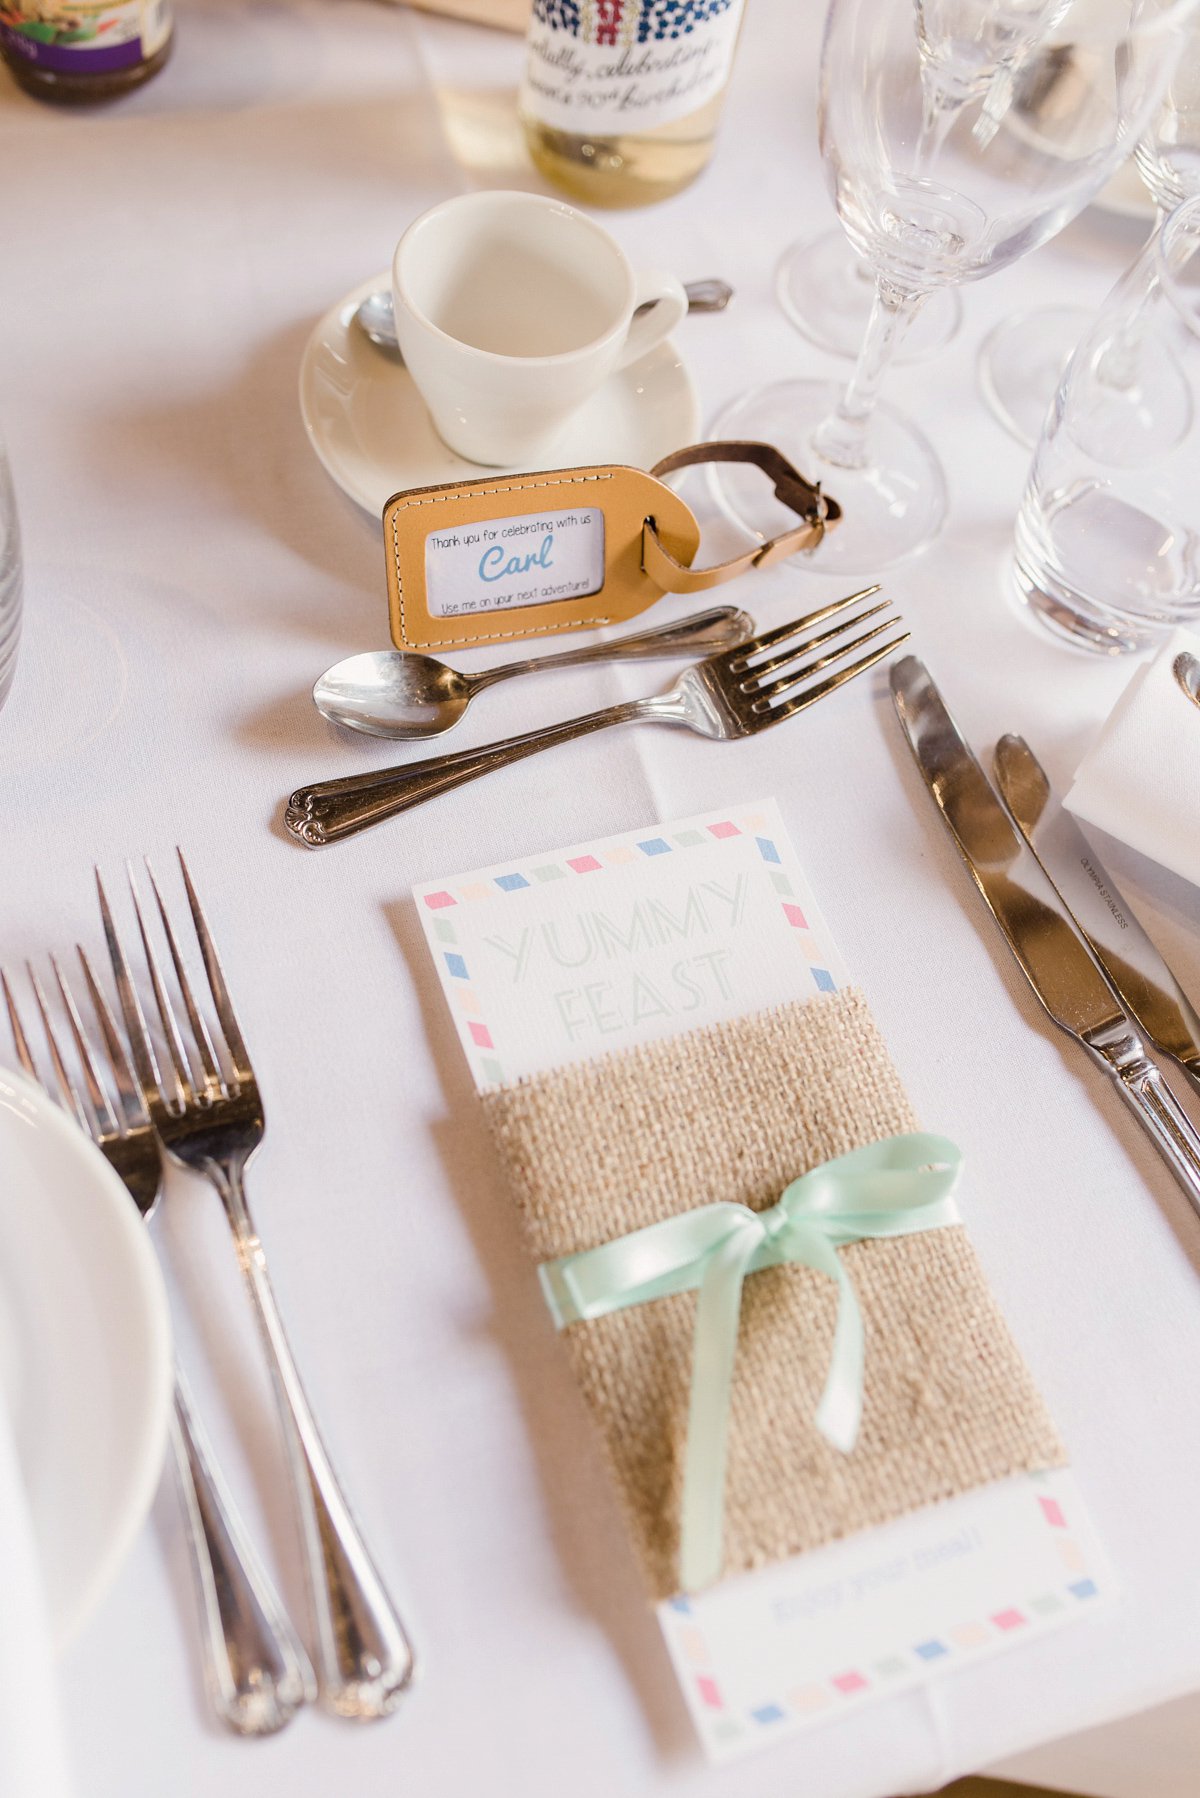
point(621, 98)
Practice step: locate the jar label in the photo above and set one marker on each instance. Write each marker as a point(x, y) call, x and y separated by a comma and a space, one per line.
point(619, 67)
point(90, 37)
point(524, 561)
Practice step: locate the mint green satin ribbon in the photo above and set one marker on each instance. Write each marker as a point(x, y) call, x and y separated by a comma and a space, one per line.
point(896, 1187)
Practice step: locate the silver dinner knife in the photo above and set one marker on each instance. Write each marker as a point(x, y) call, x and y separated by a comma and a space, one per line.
point(1052, 953)
point(1141, 976)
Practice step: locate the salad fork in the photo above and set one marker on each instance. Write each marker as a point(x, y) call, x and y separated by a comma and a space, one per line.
point(212, 1122)
point(256, 1670)
point(728, 695)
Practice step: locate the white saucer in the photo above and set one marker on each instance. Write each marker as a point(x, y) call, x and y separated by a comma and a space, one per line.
point(85, 1350)
point(370, 429)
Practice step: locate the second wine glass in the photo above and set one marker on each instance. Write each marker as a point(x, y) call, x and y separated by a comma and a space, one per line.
point(1022, 360)
point(957, 135)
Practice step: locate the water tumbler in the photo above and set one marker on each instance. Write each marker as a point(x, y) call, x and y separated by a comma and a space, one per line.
point(1108, 535)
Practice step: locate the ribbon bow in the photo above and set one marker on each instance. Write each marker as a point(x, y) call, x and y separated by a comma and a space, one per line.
point(896, 1187)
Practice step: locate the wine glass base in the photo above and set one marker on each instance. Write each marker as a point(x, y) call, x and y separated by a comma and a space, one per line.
point(827, 294)
point(890, 509)
point(1021, 363)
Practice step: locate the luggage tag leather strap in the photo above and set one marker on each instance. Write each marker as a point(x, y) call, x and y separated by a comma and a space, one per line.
point(817, 511)
point(505, 557)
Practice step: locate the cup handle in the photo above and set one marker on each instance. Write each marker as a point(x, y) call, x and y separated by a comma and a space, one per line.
point(668, 304)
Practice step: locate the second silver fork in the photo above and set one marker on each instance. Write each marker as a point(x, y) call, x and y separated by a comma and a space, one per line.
point(209, 1117)
point(727, 696)
point(256, 1670)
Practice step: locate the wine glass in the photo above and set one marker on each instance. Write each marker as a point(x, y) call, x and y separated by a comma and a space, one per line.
point(957, 135)
point(1022, 360)
point(1168, 156)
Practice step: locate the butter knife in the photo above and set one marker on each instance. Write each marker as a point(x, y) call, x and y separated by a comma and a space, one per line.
point(1139, 973)
point(1052, 953)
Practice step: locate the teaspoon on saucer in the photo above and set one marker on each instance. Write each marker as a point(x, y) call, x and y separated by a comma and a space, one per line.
point(376, 318)
point(1186, 670)
point(396, 693)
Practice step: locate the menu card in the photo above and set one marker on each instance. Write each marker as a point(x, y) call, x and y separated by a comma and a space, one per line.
point(570, 954)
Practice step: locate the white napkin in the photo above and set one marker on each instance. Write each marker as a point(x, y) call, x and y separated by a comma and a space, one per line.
point(1140, 780)
point(33, 1761)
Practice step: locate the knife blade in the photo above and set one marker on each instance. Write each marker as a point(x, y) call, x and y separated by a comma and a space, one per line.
point(1051, 951)
point(1142, 978)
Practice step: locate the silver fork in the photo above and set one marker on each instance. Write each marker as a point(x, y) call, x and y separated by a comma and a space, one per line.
point(256, 1670)
point(726, 696)
point(212, 1122)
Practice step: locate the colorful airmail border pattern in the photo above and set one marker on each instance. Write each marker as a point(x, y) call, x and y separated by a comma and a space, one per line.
point(1075, 1578)
point(450, 910)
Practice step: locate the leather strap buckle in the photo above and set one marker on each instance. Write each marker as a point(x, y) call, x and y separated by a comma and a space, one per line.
point(817, 511)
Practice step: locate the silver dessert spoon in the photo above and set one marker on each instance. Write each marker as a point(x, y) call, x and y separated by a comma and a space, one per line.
point(1186, 670)
point(376, 318)
point(396, 693)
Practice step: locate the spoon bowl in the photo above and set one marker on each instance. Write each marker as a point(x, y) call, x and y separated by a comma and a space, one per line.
point(376, 317)
point(409, 697)
point(393, 693)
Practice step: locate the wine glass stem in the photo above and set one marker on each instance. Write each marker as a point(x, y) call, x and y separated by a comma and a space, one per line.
point(939, 113)
point(1119, 361)
point(842, 437)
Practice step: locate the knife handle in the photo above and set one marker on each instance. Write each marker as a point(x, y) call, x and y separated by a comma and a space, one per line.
point(1164, 1120)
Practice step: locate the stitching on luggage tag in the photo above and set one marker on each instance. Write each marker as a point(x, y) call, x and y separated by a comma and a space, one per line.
point(439, 499)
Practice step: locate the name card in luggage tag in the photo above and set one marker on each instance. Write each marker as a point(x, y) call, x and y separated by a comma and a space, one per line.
point(512, 556)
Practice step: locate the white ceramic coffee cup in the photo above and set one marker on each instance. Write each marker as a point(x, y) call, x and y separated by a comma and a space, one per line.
point(511, 309)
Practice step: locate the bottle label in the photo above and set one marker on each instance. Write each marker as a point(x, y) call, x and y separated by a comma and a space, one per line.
point(618, 67)
point(91, 37)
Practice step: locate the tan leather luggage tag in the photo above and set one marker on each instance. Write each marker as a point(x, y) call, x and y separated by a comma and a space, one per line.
point(512, 556)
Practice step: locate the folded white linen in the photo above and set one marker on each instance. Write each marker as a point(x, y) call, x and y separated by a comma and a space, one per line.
point(33, 1760)
point(1140, 780)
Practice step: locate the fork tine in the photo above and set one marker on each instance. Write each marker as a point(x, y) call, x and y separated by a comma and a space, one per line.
point(128, 1091)
point(755, 675)
point(786, 682)
point(71, 1098)
point(833, 681)
point(131, 1010)
point(741, 657)
point(182, 1072)
point(97, 1096)
point(213, 1083)
point(216, 979)
point(18, 1032)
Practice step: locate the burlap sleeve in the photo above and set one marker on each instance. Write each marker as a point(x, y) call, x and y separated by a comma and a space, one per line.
point(735, 1111)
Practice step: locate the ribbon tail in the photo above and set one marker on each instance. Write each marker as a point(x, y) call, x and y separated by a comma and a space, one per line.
point(703, 1508)
point(840, 1411)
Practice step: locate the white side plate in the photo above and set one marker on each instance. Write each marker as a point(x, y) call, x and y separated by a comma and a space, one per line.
point(85, 1350)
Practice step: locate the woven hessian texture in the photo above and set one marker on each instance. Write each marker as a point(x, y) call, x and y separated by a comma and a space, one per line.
point(735, 1111)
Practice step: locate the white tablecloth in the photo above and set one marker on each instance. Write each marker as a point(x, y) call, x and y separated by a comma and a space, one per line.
point(191, 569)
